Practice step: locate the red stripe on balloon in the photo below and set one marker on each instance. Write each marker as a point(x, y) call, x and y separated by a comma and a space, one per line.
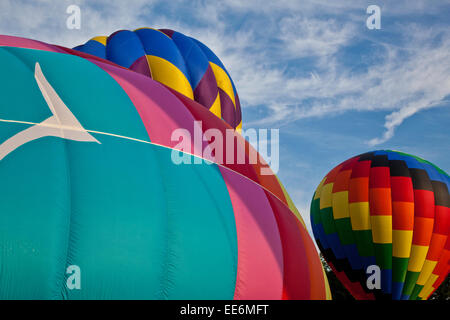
point(296, 282)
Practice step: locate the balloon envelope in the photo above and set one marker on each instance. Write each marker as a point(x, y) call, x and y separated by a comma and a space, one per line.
point(88, 180)
point(388, 209)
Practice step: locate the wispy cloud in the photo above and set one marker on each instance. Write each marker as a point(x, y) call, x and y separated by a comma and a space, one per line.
point(286, 57)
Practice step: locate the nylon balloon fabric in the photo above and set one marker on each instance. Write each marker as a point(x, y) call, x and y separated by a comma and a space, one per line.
point(388, 209)
point(88, 179)
point(176, 60)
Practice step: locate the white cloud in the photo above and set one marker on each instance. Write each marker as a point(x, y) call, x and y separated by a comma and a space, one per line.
point(264, 55)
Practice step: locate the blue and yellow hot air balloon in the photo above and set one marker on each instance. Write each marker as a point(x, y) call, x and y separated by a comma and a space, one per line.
point(387, 209)
point(176, 60)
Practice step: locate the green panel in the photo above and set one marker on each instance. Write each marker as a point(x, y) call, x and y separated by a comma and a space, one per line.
point(364, 243)
point(383, 255)
point(315, 211)
point(344, 228)
point(410, 281)
point(399, 269)
point(326, 215)
point(415, 292)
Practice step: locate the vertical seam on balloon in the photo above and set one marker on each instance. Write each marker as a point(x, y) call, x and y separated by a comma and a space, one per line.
point(64, 292)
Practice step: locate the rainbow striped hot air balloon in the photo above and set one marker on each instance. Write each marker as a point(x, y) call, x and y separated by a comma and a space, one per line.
point(178, 61)
point(388, 209)
point(87, 180)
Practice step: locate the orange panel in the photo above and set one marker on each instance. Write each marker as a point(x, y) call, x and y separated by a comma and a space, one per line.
point(380, 201)
point(342, 180)
point(402, 215)
point(436, 246)
point(358, 190)
point(423, 229)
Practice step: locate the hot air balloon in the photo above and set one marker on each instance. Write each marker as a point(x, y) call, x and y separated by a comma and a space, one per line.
point(87, 181)
point(176, 60)
point(386, 209)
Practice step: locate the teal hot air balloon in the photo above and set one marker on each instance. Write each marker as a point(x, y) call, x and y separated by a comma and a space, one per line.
point(387, 209)
point(87, 183)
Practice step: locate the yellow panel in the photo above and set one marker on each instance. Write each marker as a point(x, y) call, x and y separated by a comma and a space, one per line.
point(427, 269)
point(101, 39)
point(325, 196)
point(223, 81)
point(328, 295)
point(381, 229)
point(359, 215)
point(319, 189)
point(239, 127)
point(340, 205)
point(428, 287)
point(165, 72)
point(425, 292)
point(401, 243)
point(418, 255)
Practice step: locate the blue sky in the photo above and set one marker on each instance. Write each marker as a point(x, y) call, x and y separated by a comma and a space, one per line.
point(310, 68)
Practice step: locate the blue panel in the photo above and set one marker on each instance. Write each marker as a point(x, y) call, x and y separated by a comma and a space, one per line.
point(368, 261)
point(351, 251)
point(386, 280)
point(124, 48)
point(397, 288)
point(433, 173)
point(321, 236)
point(195, 59)
point(336, 246)
point(93, 47)
point(411, 162)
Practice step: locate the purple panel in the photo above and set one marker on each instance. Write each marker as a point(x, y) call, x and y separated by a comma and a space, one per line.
point(167, 32)
point(206, 91)
point(141, 66)
point(228, 111)
point(238, 117)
